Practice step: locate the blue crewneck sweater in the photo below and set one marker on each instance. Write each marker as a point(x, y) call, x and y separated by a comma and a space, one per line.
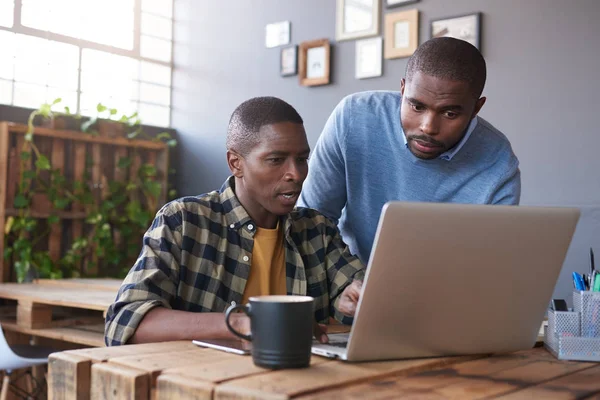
point(361, 161)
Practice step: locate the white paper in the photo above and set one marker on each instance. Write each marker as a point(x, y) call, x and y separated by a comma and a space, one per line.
point(358, 15)
point(277, 34)
point(368, 58)
point(401, 34)
point(464, 28)
point(315, 62)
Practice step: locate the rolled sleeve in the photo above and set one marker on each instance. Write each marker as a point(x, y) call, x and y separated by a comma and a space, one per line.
point(151, 282)
point(342, 269)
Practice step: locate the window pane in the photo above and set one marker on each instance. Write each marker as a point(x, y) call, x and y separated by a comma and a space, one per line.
point(157, 26)
point(6, 13)
point(159, 7)
point(155, 94)
point(89, 101)
point(68, 99)
point(108, 86)
point(154, 115)
point(7, 54)
point(83, 19)
point(156, 49)
point(31, 96)
point(109, 65)
point(63, 60)
point(31, 60)
point(155, 73)
point(6, 89)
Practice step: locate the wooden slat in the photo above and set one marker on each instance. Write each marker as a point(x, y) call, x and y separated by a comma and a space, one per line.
point(478, 379)
point(286, 384)
point(82, 137)
point(110, 284)
point(92, 269)
point(79, 151)
point(107, 353)
point(177, 387)
point(81, 334)
point(32, 315)
point(111, 381)
point(69, 377)
point(58, 162)
point(217, 367)
point(4, 143)
point(12, 180)
point(90, 299)
point(578, 385)
point(136, 163)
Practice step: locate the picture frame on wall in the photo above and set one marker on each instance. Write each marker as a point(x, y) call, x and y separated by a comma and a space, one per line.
point(369, 55)
point(398, 3)
point(277, 34)
point(357, 19)
point(466, 27)
point(288, 61)
point(314, 62)
point(401, 33)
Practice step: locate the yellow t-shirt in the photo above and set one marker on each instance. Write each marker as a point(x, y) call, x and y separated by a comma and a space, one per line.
point(267, 269)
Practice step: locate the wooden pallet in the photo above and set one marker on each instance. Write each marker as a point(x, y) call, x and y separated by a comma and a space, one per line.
point(68, 151)
point(179, 370)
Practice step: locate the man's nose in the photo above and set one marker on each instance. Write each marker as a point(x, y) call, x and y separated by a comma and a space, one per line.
point(429, 124)
point(296, 171)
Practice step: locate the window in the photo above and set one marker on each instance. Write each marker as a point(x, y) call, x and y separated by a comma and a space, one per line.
point(115, 52)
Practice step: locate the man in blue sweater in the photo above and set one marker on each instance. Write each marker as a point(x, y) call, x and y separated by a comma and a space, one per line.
point(424, 143)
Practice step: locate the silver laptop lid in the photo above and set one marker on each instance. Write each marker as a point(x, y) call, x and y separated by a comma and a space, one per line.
point(447, 279)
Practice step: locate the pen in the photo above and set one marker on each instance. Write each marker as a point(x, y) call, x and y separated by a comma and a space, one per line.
point(592, 265)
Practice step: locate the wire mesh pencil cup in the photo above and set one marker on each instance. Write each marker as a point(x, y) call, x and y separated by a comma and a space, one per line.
point(575, 335)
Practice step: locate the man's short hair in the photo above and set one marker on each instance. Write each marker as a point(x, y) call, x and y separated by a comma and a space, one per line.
point(247, 119)
point(449, 58)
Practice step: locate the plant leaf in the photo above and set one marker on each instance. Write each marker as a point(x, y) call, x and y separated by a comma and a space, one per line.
point(21, 201)
point(53, 219)
point(61, 203)
point(25, 155)
point(124, 162)
point(172, 143)
point(29, 174)
point(56, 101)
point(29, 136)
point(100, 108)
point(8, 225)
point(163, 135)
point(42, 162)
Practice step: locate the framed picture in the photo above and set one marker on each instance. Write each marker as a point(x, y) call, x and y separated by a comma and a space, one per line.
point(289, 61)
point(401, 33)
point(398, 3)
point(368, 57)
point(357, 19)
point(277, 34)
point(314, 58)
point(464, 27)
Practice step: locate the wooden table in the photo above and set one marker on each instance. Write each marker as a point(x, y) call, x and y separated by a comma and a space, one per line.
point(180, 370)
point(69, 310)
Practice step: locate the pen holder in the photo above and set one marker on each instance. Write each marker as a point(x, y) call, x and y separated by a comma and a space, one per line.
point(588, 305)
point(575, 335)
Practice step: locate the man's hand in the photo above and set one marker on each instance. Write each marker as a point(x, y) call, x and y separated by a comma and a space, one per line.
point(320, 332)
point(240, 322)
point(349, 298)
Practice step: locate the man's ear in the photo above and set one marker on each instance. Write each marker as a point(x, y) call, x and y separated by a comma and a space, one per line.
point(478, 106)
point(236, 163)
point(402, 85)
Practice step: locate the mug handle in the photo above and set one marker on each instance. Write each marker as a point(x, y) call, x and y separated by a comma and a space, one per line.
point(231, 309)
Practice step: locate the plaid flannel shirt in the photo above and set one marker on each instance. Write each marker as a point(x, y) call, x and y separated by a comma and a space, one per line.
point(196, 257)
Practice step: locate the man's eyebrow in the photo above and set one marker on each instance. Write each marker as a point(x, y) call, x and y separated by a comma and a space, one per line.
point(452, 107)
point(286, 153)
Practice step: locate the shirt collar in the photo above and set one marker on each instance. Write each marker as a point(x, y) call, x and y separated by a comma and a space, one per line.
point(236, 215)
point(447, 155)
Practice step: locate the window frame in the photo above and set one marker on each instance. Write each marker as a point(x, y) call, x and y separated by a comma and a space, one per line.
point(135, 52)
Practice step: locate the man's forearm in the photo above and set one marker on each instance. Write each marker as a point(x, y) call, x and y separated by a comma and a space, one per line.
point(163, 324)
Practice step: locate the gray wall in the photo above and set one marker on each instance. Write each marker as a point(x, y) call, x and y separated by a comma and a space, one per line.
point(543, 61)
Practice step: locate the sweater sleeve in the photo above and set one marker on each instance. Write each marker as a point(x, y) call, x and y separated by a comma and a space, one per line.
point(508, 191)
point(325, 186)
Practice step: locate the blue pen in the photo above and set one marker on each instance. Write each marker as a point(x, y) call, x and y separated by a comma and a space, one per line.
point(578, 281)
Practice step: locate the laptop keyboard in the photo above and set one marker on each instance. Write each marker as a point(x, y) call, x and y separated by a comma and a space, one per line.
point(343, 345)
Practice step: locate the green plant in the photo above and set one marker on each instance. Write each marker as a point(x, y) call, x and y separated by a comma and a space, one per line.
point(115, 221)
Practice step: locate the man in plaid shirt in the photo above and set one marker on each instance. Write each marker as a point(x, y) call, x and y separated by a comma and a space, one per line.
point(201, 254)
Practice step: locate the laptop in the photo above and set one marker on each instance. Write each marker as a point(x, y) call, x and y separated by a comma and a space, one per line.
point(456, 279)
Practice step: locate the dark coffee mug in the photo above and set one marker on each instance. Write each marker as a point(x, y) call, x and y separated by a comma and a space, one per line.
point(281, 330)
